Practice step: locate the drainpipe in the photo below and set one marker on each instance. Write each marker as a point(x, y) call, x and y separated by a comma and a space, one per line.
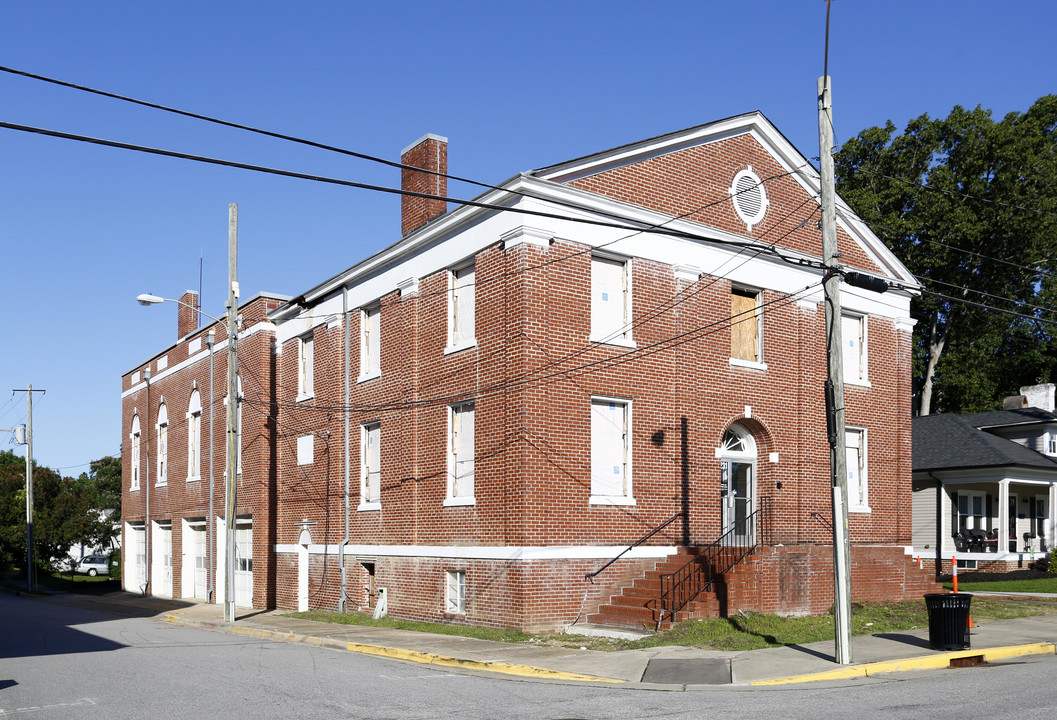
point(343, 595)
point(211, 338)
point(145, 588)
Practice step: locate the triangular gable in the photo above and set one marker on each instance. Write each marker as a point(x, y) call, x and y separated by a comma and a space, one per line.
point(689, 173)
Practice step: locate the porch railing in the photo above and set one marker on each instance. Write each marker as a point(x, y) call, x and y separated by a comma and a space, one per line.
point(712, 562)
point(591, 575)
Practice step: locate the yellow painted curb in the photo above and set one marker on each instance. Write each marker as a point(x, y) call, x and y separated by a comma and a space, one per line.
point(922, 662)
point(409, 655)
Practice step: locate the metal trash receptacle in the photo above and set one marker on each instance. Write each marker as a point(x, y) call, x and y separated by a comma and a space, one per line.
point(948, 620)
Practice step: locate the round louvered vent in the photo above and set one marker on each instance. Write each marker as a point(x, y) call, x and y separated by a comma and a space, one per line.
point(749, 197)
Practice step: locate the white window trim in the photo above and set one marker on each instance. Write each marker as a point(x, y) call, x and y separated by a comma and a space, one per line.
point(365, 355)
point(375, 504)
point(983, 508)
point(450, 500)
point(135, 468)
point(864, 472)
point(192, 424)
point(623, 337)
point(864, 350)
point(161, 472)
point(305, 393)
point(760, 364)
point(459, 576)
point(453, 346)
point(629, 498)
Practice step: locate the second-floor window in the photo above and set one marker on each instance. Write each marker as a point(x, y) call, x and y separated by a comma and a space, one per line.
point(853, 337)
point(194, 436)
point(163, 445)
point(858, 497)
point(370, 342)
point(746, 330)
point(461, 454)
point(134, 439)
point(462, 307)
point(305, 367)
point(610, 300)
point(371, 465)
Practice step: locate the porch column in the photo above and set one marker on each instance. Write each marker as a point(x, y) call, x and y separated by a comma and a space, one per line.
point(1003, 517)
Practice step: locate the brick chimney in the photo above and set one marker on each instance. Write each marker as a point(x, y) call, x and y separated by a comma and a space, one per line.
point(430, 152)
point(187, 317)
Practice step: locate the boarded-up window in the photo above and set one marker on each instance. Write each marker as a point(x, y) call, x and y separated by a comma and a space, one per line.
point(455, 592)
point(306, 366)
point(855, 441)
point(370, 340)
point(372, 463)
point(609, 299)
point(745, 325)
point(609, 448)
point(462, 306)
point(853, 337)
point(461, 455)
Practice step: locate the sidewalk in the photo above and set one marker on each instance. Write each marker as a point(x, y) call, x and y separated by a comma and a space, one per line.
point(667, 668)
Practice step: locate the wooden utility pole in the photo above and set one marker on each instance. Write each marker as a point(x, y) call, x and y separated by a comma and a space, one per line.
point(233, 403)
point(31, 575)
point(835, 383)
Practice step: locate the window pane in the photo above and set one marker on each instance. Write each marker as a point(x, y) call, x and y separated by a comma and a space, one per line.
point(608, 448)
point(851, 335)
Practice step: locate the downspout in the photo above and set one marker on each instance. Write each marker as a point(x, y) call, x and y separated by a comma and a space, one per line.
point(211, 338)
point(146, 484)
point(343, 595)
point(939, 525)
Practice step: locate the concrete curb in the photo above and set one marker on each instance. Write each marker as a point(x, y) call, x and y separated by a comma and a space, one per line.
point(415, 656)
point(922, 662)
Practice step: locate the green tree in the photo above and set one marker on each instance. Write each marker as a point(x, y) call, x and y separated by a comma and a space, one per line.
point(970, 205)
point(65, 513)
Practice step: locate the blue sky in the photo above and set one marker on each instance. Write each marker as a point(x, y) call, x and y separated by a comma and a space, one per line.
point(514, 86)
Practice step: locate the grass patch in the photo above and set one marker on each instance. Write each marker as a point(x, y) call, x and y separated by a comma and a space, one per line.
point(482, 633)
point(751, 631)
point(1041, 585)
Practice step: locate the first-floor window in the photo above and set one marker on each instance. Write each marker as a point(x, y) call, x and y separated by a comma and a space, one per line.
point(461, 453)
point(371, 464)
point(855, 441)
point(610, 451)
point(455, 593)
point(971, 506)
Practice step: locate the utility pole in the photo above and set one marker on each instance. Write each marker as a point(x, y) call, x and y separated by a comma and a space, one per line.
point(31, 575)
point(835, 383)
point(233, 401)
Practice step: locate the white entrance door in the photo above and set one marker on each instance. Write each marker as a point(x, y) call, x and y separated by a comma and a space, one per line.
point(161, 559)
point(135, 558)
point(244, 563)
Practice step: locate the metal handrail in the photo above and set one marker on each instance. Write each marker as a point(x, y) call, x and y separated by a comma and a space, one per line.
point(591, 575)
point(700, 572)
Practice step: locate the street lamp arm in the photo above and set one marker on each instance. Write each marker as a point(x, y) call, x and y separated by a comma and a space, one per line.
point(146, 300)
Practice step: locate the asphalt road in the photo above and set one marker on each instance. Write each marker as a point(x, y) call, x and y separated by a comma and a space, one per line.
point(58, 661)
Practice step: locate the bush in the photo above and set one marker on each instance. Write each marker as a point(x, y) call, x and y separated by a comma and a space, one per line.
point(1051, 562)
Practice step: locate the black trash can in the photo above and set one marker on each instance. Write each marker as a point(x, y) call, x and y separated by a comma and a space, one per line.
point(948, 620)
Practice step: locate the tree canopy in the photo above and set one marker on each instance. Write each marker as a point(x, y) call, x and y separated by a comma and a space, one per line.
point(66, 512)
point(970, 206)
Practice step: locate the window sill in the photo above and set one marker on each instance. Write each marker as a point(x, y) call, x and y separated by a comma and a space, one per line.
point(134, 489)
point(161, 483)
point(194, 478)
point(749, 364)
point(607, 340)
point(464, 345)
point(303, 397)
point(860, 509)
point(367, 506)
point(457, 501)
point(369, 376)
point(612, 500)
point(857, 382)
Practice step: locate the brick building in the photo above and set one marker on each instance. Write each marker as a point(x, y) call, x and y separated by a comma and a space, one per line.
point(467, 423)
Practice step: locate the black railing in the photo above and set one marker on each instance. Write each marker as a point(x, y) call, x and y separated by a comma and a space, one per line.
point(591, 575)
point(711, 562)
